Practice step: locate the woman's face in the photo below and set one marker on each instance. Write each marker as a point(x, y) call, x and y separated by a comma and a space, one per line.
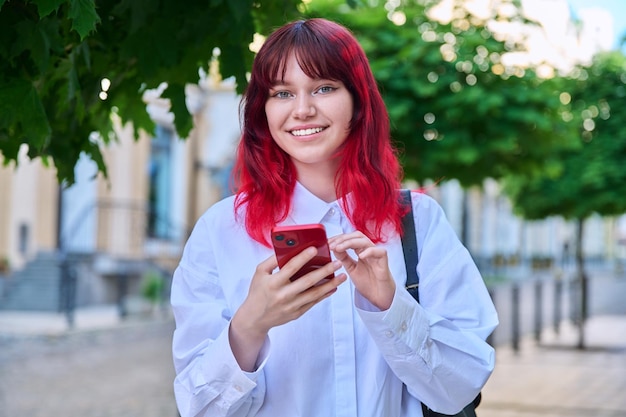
point(309, 118)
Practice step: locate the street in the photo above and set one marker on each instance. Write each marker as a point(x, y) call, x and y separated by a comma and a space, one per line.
point(108, 367)
point(119, 372)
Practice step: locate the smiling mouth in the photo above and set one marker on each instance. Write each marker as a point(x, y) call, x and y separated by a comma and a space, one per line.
point(306, 132)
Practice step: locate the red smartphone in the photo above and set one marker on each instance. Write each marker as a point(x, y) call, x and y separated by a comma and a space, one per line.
point(288, 241)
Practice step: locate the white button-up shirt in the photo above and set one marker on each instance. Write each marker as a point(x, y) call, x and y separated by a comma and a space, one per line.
point(344, 357)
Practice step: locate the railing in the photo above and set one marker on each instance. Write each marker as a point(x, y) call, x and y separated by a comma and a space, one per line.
point(118, 231)
point(544, 302)
point(528, 302)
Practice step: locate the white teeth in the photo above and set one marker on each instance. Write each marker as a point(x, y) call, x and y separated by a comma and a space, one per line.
point(304, 132)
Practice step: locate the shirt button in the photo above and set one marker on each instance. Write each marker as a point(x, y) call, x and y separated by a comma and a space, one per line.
point(238, 388)
point(403, 326)
point(332, 212)
point(389, 333)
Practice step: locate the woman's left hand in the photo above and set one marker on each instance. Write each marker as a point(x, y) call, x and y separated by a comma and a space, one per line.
point(370, 271)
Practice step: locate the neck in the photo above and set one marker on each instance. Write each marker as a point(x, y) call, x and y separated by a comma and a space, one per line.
point(319, 181)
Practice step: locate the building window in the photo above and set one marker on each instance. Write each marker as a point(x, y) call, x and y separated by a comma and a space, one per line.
point(159, 197)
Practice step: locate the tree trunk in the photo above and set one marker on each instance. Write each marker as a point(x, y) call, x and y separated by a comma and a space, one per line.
point(582, 281)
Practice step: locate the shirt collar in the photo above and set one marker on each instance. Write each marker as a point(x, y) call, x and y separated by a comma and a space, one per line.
point(307, 208)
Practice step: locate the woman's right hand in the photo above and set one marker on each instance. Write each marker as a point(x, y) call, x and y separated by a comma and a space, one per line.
point(273, 299)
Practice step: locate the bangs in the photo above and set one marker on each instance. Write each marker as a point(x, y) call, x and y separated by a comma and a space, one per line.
point(316, 55)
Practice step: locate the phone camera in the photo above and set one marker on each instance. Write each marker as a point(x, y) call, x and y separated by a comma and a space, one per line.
point(280, 238)
point(291, 242)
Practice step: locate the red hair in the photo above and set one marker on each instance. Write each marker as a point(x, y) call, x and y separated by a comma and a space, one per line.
point(369, 169)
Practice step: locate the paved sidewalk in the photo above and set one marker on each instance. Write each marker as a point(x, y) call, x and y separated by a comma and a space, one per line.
point(555, 379)
point(106, 367)
point(33, 323)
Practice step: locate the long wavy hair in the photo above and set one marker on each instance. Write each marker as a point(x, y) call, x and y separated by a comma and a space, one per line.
point(265, 176)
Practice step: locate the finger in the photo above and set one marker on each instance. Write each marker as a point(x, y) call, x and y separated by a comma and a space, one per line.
point(345, 259)
point(341, 255)
point(306, 299)
point(373, 252)
point(346, 236)
point(357, 242)
point(357, 245)
point(322, 291)
point(297, 262)
point(268, 265)
point(315, 277)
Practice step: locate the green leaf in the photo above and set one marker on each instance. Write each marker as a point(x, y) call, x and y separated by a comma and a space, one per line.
point(591, 177)
point(45, 7)
point(136, 44)
point(37, 39)
point(84, 16)
point(239, 9)
point(182, 119)
point(21, 110)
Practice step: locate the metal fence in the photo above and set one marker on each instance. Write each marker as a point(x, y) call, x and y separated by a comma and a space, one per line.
point(543, 302)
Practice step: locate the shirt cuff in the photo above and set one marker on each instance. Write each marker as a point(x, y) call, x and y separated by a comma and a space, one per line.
point(234, 382)
point(401, 329)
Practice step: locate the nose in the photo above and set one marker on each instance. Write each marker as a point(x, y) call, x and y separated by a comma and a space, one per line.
point(304, 106)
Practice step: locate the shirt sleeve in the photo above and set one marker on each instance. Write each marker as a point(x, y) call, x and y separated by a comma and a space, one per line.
point(438, 348)
point(209, 381)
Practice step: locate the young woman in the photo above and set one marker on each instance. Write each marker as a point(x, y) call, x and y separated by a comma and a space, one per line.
point(251, 342)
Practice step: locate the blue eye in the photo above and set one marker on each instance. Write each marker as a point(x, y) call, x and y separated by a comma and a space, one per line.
point(281, 94)
point(326, 89)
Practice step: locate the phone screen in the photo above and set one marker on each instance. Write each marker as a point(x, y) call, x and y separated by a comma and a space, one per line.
point(288, 241)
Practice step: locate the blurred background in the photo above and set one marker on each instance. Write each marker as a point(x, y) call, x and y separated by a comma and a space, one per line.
point(118, 128)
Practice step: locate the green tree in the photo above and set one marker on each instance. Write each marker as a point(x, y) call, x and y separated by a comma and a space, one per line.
point(455, 109)
point(54, 55)
point(591, 178)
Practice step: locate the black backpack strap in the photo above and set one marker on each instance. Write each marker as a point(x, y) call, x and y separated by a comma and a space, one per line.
point(409, 246)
